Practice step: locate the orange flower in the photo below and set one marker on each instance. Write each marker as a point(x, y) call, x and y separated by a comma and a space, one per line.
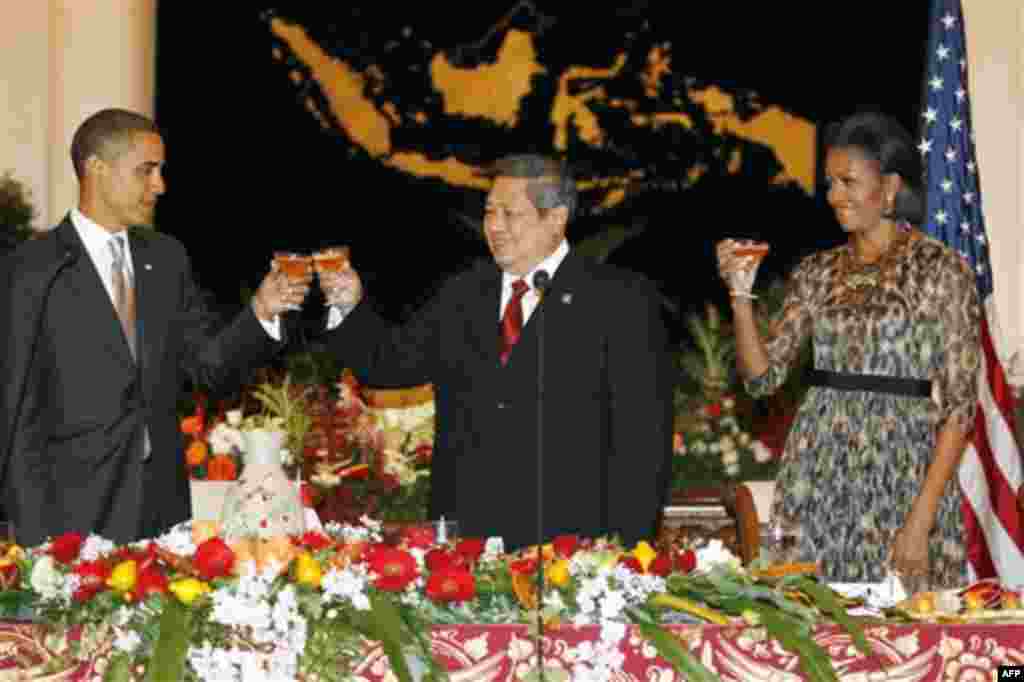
point(221, 468)
point(196, 453)
point(193, 425)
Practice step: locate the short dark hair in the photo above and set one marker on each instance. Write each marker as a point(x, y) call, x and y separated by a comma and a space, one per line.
point(882, 139)
point(105, 134)
point(550, 180)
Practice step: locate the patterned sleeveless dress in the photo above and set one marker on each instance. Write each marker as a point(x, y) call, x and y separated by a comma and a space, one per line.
point(854, 461)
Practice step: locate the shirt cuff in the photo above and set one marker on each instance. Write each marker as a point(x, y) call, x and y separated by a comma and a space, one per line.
point(273, 328)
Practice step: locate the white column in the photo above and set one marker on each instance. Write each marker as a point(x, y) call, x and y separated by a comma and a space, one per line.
point(63, 60)
point(102, 55)
point(995, 46)
point(24, 107)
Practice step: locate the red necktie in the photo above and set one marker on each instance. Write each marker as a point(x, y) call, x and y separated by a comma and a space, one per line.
point(512, 320)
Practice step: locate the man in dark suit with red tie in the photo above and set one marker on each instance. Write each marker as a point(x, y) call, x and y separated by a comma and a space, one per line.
point(104, 323)
point(601, 386)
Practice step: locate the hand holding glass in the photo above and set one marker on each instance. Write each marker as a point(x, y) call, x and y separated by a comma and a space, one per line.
point(332, 259)
point(296, 267)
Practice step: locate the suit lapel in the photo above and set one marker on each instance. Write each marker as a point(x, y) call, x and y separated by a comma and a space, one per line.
point(96, 312)
point(558, 300)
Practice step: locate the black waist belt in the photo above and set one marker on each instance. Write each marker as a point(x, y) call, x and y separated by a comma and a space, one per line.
point(915, 388)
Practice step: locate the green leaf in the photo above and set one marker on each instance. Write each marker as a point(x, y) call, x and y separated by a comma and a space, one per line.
point(671, 650)
point(119, 669)
point(550, 675)
point(383, 623)
point(813, 660)
point(827, 602)
point(168, 661)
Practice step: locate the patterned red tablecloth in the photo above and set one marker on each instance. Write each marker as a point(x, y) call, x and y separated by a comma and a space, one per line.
point(904, 653)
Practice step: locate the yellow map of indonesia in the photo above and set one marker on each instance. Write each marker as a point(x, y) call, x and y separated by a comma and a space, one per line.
point(494, 92)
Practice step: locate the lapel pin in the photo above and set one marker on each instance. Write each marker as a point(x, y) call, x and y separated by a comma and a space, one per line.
point(567, 298)
point(147, 266)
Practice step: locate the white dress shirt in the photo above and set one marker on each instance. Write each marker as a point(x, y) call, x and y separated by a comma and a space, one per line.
point(96, 238)
point(531, 298)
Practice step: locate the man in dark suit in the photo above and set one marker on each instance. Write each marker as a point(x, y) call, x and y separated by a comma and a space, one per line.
point(602, 465)
point(103, 325)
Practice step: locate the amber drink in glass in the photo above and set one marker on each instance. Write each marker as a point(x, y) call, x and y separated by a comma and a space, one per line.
point(330, 260)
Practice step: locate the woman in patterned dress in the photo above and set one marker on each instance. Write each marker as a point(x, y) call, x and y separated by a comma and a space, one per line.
point(867, 474)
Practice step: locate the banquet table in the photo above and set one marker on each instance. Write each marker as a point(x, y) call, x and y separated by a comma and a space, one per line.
point(904, 653)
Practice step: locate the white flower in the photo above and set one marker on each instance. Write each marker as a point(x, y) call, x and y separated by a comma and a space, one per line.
point(224, 439)
point(728, 404)
point(762, 453)
point(726, 444)
point(94, 547)
point(715, 553)
point(743, 439)
point(127, 641)
point(178, 540)
point(714, 448)
point(700, 447)
point(234, 418)
point(45, 579)
point(732, 470)
point(730, 458)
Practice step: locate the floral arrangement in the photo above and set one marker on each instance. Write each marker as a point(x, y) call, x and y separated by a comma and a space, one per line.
point(216, 447)
point(188, 605)
point(379, 464)
point(712, 446)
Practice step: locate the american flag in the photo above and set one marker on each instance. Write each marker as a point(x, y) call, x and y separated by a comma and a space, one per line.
point(990, 472)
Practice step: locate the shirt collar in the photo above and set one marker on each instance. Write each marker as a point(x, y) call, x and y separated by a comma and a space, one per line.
point(550, 264)
point(95, 238)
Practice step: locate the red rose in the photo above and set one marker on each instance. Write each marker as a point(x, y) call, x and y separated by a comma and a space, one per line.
point(632, 563)
point(470, 548)
point(314, 541)
point(439, 559)
point(308, 494)
point(686, 561)
point(566, 545)
point(150, 581)
point(213, 559)
point(395, 569)
point(661, 566)
point(65, 548)
point(713, 410)
point(92, 579)
point(451, 586)
point(424, 453)
point(523, 566)
point(8, 574)
point(419, 536)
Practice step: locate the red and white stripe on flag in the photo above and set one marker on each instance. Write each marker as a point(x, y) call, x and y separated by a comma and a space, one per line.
point(990, 475)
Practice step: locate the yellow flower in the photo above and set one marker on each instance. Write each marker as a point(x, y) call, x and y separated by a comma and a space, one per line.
point(558, 572)
point(122, 578)
point(308, 570)
point(645, 554)
point(188, 590)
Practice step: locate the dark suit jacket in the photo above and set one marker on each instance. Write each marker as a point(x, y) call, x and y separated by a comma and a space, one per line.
point(73, 401)
point(607, 400)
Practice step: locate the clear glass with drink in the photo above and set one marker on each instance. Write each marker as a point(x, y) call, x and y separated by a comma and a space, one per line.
point(332, 259)
point(296, 267)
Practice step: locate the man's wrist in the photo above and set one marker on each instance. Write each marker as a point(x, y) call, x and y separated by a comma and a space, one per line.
point(260, 310)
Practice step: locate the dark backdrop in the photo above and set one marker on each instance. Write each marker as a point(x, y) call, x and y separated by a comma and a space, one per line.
point(250, 170)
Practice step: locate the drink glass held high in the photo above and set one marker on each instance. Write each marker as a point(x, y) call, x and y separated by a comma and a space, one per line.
point(295, 266)
point(333, 259)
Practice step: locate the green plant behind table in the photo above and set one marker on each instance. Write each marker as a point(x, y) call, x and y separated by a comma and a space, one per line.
point(721, 430)
point(16, 212)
